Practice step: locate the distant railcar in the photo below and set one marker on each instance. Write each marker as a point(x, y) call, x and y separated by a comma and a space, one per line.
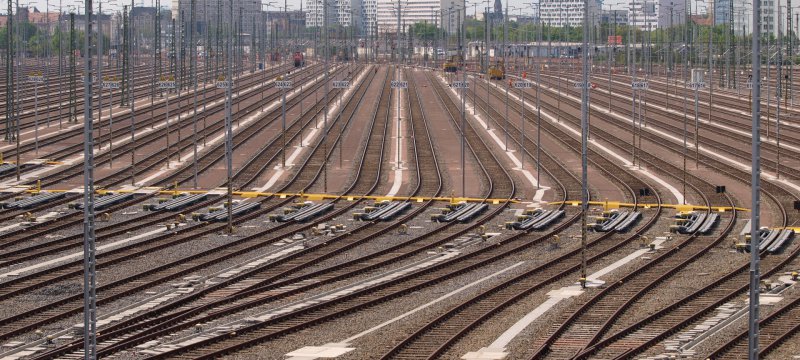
point(298, 59)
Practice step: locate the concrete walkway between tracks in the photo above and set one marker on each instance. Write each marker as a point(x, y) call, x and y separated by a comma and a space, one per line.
point(679, 142)
point(46, 131)
point(539, 193)
point(33, 175)
point(309, 137)
point(398, 147)
point(78, 255)
point(703, 120)
point(723, 93)
point(333, 350)
point(497, 349)
point(188, 156)
point(619, 158)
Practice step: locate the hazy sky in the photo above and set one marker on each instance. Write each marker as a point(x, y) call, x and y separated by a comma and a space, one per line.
point(293, 4)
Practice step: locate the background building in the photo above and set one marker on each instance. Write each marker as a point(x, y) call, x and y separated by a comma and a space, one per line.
point(619, 17)
point(369, 16)
point(209, 9)
point(560, 13)
point(671, 12)
point(643, 14)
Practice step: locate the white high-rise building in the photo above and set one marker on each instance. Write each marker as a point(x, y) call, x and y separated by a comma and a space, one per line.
point(341, 12)
point(314, 9)
point(367, 15)
point(643, 14)
point(444, 13)
point(560, 13)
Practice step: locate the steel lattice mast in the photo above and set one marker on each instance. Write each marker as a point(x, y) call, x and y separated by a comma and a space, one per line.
point(89, 282)
point(755, 274)
point(9, 69)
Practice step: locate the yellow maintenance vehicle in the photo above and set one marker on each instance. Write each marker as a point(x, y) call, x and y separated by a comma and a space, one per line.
point(497, 71)
point(452, 63)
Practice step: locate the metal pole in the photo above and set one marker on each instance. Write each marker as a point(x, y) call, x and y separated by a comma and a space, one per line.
point(89, 279)
point(778, 94)
point(463, 113)
point(325, 112)
point(169, 156)
point(10, 70)
point(538, 116)
point(397, 75)
point(100, 78)
point(193, 75)
point(229, 126)
point(752, 346)
point(36, 117)
point(283, 127)
point(584, 136)
point(129, 34)
point(505, 37)
point(632, 69)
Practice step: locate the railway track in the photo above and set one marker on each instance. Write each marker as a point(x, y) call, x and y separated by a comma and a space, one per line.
point(151, 117)
point(137, 282)
point(220, 296)
point(248, 171)
point(12, 287)
point(54, 103)
point(433, 339)
point(773, 331)
point(257, 333)
point(769, 149)
point(781, 197)
point(144, 164)
point(637, 338)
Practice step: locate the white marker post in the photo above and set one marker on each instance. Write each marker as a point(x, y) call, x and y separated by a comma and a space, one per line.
point(696, 86)
point(110, 83)
point(522, 85)
point(636, 86)
point(397, 84)
point(36, 78)
point(283, 85)
point(343, 84)
point(167, 83)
